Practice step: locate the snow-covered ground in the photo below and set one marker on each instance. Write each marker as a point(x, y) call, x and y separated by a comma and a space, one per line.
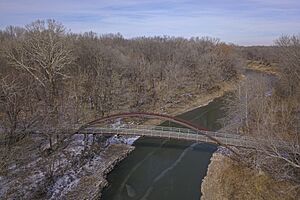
point(122, 140)
point(80, 160)
point(224, 151)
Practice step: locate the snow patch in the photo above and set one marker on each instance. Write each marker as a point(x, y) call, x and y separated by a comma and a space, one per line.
point(122, 140)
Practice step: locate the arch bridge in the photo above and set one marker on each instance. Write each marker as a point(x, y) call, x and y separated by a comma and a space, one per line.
point(191, 132)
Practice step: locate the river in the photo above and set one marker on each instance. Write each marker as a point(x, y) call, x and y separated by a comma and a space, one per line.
point(167, 169)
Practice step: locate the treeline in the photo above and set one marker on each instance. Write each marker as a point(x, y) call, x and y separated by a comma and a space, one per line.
point(266, 54)
point(52, 79)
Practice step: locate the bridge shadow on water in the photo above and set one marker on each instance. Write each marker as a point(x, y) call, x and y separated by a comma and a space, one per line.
point(175, 144)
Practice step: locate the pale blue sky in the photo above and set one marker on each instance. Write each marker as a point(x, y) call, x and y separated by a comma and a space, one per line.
point(244, 22)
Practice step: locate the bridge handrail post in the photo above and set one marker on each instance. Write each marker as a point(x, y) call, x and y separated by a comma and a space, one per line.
point(181, 133)
point(151, 132)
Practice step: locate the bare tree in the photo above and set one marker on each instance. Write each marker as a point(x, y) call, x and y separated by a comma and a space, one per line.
point(18, 105)
point(256, 110)
point(43, 54)
point(289, 55)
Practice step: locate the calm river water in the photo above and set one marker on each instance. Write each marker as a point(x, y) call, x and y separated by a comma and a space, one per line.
point(169, 169)
point(166, 169)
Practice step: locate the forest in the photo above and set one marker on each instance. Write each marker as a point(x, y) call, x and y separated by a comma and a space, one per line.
point(52, 79)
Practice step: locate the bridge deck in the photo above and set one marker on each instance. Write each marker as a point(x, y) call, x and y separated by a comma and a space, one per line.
point(192, 132)
point(174, 133)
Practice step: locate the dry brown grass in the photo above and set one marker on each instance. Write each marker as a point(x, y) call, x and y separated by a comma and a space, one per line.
point(263, 67)
point(227, 180)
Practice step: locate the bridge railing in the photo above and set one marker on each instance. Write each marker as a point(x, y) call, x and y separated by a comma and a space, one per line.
point(226, 138)
point(163, 131)
point(179, 133)
point(166, 129)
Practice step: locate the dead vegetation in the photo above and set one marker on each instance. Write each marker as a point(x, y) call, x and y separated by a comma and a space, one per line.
point(269, 112)
point(228, 180)
point(52, 79)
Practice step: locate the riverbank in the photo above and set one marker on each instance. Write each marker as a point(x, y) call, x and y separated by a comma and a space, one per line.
point(80, 171)
point(196, 100)
point(271, 69)
point(91, 185)
point(200, 100)
point(227, 180)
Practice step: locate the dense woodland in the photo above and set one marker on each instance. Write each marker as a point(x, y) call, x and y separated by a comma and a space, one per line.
point(52, 79)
